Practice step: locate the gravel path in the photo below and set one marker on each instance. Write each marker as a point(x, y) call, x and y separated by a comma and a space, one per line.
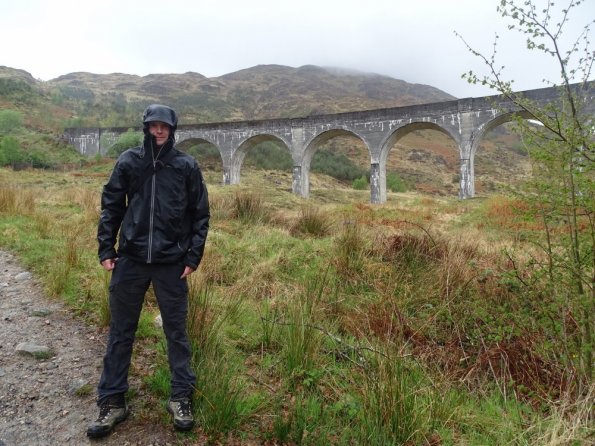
point(48, 398)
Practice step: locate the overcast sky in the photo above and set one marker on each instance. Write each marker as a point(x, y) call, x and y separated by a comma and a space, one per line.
point(412, 40)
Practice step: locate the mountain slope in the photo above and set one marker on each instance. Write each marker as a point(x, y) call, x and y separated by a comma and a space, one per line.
point(260, 92)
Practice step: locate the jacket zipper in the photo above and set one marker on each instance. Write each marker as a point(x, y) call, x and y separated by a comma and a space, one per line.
point(151, 212)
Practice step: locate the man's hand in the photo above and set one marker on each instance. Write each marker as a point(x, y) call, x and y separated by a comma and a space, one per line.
point(108, 264)
point(187, 272)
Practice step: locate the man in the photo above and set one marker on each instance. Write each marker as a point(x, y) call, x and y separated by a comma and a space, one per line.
point(157, 200)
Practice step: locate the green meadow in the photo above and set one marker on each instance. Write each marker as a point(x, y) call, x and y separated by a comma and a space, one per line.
point(421, 321)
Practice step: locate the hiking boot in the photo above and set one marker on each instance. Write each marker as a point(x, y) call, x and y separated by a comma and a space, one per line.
point(111, 412)
point(182, 412)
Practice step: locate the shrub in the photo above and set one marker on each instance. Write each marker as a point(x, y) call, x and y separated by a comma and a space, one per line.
point(10, 120)
point(11, 153)
point(394, 183)
point(336, 165)
point(269, 156)
point(39, 159)
point(206, 154)
point(14, 88)
point(360, 183)
point(125, 141)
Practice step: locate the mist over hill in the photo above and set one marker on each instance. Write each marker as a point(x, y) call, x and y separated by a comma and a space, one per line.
point(260, 92)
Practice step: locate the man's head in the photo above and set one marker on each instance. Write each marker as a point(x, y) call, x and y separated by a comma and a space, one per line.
point(160, 121)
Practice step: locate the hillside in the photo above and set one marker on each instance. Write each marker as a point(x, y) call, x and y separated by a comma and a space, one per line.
point(260, 92)
point(428, 161)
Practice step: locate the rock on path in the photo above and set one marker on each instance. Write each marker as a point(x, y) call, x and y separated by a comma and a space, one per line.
point(48, 397)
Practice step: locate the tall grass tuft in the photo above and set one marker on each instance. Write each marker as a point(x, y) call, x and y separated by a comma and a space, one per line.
point(350, 252)
point(219, 207)
point(298, 423)
point(268, 319)
point(88, 200)
point(222, 404)
point(396, 402)
point(302, 338)
point(71, 250)
point(58, 276)
point(205, 323)
point(571, 422)
point(60, 270)
point(16, 201)
point(249, 207)
point(8, 200)
point(44, 224)
point(311, 221)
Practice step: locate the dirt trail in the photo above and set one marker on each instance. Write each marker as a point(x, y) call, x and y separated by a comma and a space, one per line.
point(51, 401)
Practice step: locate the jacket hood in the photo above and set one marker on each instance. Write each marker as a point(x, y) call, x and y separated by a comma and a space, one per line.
point(162, 113)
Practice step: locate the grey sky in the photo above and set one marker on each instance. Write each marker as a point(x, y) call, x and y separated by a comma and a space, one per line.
point(412, 40)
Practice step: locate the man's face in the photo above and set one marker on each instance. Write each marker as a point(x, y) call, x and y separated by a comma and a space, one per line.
point(160, 130)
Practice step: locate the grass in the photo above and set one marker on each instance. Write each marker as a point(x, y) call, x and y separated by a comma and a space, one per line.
point(398, 403)
point(312, 222)
point(331, 321)
point(248, 207)
point(301, 339)
point(43, 355)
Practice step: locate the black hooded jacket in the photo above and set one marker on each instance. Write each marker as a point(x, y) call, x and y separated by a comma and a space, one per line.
point(161, 216)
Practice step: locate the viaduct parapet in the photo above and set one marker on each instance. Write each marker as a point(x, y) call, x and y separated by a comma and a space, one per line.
point(466, 121)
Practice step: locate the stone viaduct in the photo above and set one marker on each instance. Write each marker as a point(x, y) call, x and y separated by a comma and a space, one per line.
point(465, 121)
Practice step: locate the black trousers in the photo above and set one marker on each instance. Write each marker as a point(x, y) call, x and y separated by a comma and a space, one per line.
point(129, 283)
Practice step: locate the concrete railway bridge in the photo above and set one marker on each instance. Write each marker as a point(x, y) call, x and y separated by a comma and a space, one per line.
point(466, 121)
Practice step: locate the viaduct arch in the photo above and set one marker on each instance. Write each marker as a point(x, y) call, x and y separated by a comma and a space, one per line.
point(465, 121)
